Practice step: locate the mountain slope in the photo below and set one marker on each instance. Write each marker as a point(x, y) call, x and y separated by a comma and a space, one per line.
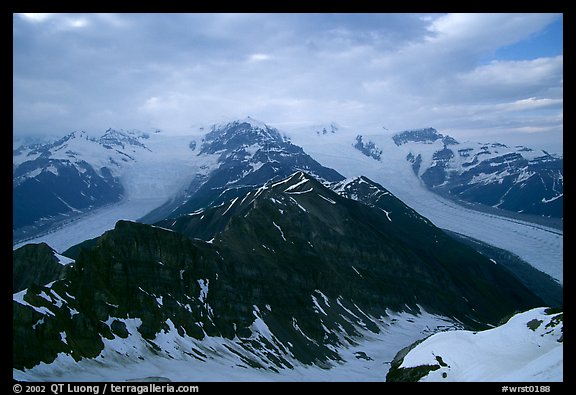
point(148, 168)
point(75, 174)
point(301, 220)
point(529, 347)
point(37, 264)
point(290, 274)
point(250, 153)
point(516, 179)
point(538, 244)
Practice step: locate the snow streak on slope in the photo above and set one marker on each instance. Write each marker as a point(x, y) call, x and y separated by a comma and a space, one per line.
point(152, 178)
point(182, 358)
point(540, 246)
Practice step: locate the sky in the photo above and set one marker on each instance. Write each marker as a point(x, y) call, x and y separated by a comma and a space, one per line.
point(482, 77)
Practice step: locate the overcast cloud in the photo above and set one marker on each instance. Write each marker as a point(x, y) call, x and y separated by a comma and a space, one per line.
point(464, 74)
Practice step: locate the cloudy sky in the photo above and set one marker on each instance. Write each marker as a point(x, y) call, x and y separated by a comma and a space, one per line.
point(468, 75)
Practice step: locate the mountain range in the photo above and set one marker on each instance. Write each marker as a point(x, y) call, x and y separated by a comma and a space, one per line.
point(517, 179)
point(72, 175)
point(54, 182)
point(252, 255)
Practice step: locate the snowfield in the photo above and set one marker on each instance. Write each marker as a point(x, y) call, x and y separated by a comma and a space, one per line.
point(526, 348)
point(133, 359)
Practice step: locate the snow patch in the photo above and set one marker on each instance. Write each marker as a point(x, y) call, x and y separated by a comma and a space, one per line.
point(328, 200)
point(526, 348)
point(280, 229)
point(183, 358)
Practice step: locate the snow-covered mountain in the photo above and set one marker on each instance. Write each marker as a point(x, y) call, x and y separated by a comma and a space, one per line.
point(147, 176)
point(517, 179)
point(71, 175)
point(528, 347)
point(372, 152)
point(192, 171)
point(235, 212)
point(249, 154)
point(289, 275)
point(124, 174)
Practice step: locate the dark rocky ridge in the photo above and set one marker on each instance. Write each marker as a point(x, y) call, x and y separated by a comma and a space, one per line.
point(35, 264)
point(265, 254)
point(250, 155)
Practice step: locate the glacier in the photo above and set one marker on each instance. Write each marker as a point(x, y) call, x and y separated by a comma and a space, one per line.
point(540, 246)
point(168, 167)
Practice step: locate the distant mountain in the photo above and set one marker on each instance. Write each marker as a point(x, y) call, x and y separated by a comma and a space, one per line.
point(516, 179)
point(425, 136)
point(372, 152)
point(250, 153)
point(59, 182)
point(528, 347)
point(285, 274)
point(77, 173)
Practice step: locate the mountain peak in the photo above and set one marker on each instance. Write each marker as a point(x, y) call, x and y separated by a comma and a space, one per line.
point(77, 134)
point(239, 134)
point(424, 135)
point(121, 138)
point(295, 178)
point(356, 183)
point(324, 129)
point(254, 122)
point(299, 216)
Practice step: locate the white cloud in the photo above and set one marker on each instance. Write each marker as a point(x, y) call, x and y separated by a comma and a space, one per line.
point(60, 21)
point(173, 70)
point(259, 57)
point(77, 22)
point(484, 32)
point(537, 72)
point(36, 17)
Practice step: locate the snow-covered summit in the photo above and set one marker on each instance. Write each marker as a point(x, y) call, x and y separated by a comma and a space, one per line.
point(529, 347)
point(121, 138)
point(239, 134)
point(517, 179)
point(108, 150)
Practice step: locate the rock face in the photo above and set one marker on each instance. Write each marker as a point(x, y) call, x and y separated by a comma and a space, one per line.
point(516, 179)
point(251, 154)
point(368, 149)
point(36, 264)
point(426, 136)
point(282, 272)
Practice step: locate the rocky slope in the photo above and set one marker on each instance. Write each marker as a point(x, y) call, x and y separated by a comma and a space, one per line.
point(516, 179)
point(288, 273)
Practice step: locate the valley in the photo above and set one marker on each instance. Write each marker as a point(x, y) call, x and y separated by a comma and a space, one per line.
point(293, 264)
